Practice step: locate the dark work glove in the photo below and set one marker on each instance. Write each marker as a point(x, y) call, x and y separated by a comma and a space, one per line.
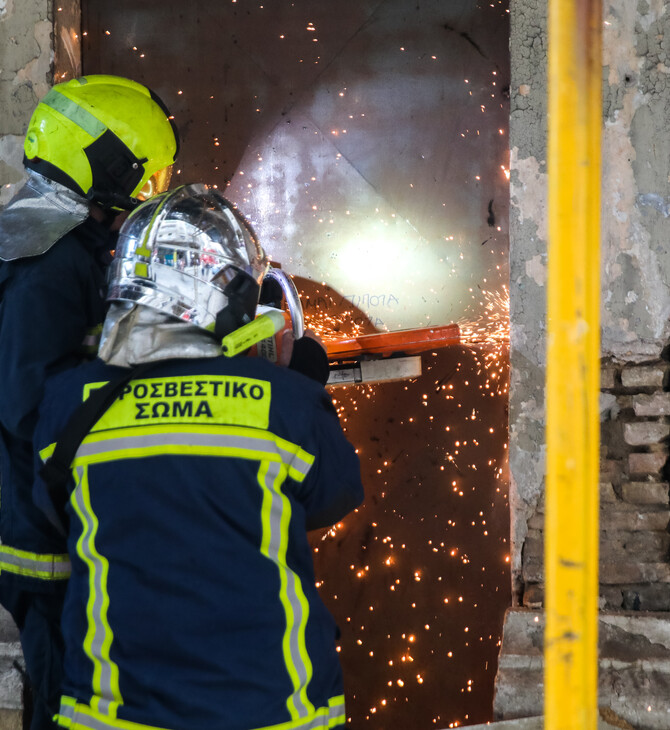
point(310, 359)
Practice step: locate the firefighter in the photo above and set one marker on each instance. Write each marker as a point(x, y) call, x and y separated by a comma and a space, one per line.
point(192, 603)
point(93, 145)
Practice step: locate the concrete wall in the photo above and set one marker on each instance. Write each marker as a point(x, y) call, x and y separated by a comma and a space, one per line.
point(635, 404)
point(636, 205)
point(26, 62)
point(39, 41)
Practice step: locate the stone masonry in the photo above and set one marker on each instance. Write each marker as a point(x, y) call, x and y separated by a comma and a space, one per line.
point(635, 402)
point(634, 500)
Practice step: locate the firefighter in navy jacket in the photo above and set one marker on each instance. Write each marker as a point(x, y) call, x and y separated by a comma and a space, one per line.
point(91, 145)
point(192, 603)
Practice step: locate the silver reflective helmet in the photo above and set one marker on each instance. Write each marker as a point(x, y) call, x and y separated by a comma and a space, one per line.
point(189, 254)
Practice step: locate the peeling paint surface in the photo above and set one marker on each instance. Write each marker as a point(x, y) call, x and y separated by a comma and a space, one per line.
point(12, 173)
point(25, 76)
point(528, 190)
point(528, 249)
point(635, 180)
point(635, 205)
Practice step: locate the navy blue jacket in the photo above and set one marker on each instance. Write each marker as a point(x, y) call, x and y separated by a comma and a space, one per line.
point(48, 306)
point(192, 603)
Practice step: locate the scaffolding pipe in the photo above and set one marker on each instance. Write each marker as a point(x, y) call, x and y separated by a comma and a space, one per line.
point(573, 366)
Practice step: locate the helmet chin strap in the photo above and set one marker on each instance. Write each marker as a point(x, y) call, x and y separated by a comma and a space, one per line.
point(242, 294)
point(115, 172)
point(107, 199)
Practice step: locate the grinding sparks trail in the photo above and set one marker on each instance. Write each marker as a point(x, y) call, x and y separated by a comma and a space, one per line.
point(426, 556)
point(493, 326)
point(418, 576)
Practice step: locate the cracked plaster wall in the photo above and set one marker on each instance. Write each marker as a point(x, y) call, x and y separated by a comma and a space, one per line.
point(635, 212)
point(26, 60)
point(528, 235)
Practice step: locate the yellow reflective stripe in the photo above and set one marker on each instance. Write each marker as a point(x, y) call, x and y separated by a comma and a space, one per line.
point(82, 717)
point(275, 520)
point(194, 440)
point(99, 635)
point(92, 338)
point(78, 716)
point(66, 714)
point(45, 566)
point(325, 717)
point(75, 113)
point(336, 711)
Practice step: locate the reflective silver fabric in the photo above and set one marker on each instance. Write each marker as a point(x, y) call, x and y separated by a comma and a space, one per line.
point(133, 334)
point(177, 252)
point(37, 216)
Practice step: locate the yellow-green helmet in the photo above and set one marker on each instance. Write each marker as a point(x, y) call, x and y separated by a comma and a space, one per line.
point(103, 137)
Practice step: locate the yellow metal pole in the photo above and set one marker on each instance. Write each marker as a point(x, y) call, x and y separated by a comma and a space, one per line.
point(573, 366)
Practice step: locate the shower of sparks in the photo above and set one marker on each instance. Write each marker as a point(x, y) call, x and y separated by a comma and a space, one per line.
point(412, 575)
point(493, 326)
point(472, 469)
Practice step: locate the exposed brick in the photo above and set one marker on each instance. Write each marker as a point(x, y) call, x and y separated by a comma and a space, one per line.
point(611, 597)
point(643, 376)
point(533, 569)
point(612, 552)
point(533, 548)
point(639, 597)
point(634, 572)
point(651, 463)
point(645, 492)
point(657, 404)
point(607, 508)
point(607, 493)
point(533, 595)
point(635, 519)
point(625, 402)
point(643, 433)
point(608, 377)
point(649, 546)
point(610, 469)
point(645, 597)
point(608, 406)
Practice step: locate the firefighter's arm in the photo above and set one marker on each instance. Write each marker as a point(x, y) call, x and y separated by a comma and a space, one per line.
point(333, 486)
point(42, 321)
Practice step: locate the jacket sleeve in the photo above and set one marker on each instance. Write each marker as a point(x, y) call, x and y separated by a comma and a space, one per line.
point(52, 417)
point(43, 321)
point(333, 486)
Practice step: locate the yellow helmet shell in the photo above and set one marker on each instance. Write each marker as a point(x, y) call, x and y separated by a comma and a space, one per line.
point(100, 135)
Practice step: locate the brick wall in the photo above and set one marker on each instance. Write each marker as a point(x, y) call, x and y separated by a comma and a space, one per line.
point(634, 500)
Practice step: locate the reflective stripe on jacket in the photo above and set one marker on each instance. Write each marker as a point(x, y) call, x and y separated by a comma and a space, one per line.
point(49, 304)
point(192, 602)
point(34, 565)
